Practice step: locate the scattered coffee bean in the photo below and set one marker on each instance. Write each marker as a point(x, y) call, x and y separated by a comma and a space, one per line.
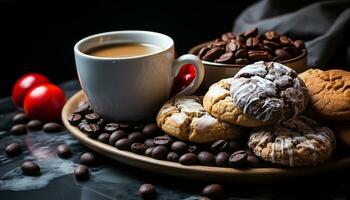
point(74, 119)
point(91, 130)
point(238, 159)
point(206, 158)
point(222, 159)
point(214, 191)
point(64, 151)
point(81, 173)
point(162, 140)
point(104, 138)
point(52, 127)
point(149, 142)
point(179, 147)
point(147, 191)
point(20, 118)
point(148, 151)
point(111, 127)
point(123, 144)
point(136, 137)
point(13, 149)
point(234, 145)
point(193, 149)
point(82, 124)
point(124, 126)
point(89, 159)
point(189, 159)
point(83, 109)
point(139, 148)
point(92, 117)
point(219, 145)
point(117, 135)
point(172, 156)
point(35, 125)
point(159, 152)
point(150, 130)
point(299, 44)
point(30, 168)
point(19, 129)
point(251, 33)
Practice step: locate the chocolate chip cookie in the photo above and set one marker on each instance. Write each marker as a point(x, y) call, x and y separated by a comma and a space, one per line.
point(295, 142)
point(329, 93)
point(186, 119)
point(259, 94)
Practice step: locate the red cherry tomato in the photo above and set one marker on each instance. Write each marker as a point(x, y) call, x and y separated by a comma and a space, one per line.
point(44, 102)
point(24, 84)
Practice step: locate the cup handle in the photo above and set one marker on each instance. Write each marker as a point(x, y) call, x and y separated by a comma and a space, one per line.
point(197, 63)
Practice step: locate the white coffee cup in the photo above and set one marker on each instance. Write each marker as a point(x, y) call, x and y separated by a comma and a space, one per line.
point(131, 88)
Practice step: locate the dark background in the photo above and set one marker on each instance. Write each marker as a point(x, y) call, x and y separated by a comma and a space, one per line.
point(39, 37)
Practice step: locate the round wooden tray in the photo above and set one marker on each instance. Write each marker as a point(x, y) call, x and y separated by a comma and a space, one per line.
point(257, 175)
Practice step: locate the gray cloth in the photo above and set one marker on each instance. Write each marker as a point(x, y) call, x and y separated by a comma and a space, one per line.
point(323, 25)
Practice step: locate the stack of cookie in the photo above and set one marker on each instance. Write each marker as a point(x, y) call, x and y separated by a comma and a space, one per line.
point(269, 98)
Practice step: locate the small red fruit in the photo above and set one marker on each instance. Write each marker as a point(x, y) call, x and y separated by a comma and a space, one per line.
point(44, 102)
point(24, 84)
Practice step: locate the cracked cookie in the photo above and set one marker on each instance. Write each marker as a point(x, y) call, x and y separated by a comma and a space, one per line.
point(259, 94)
point(295, 142)
point(329, 93)
point(186, 119)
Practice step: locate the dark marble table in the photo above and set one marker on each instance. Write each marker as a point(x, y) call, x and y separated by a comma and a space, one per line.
point(113, 180)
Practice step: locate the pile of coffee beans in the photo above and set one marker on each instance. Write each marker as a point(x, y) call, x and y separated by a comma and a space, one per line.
point(251, 46)
point(147, 139)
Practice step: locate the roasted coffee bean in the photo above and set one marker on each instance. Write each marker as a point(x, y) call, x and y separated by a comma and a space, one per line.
point(83, 109)
point(222, 159)
point(213, 54)
point(272, 45)
point(104, 138)
point(136, 137)
point(64, 151)
point(227, 36)
point(214, 191)
point(91, 130)
point(219, 44)
point(241, 61)
point(203, 51)
point(219, 145)
point(101, 122)
point(193, 149)
point(92, 117)
point(234, 145)
point(259, 55)
point(52, 127)
point(159, 152)
point(149, 142)
point(172, 156)
point(89, 159)
point(123, 144)
point(240, 39)
point(272, 36)
point(111, 127)
point(148, 152)
point(34, 125)
point(13, 149)
point(147, 191)
point(267, 48)
point(150, 130)
point(20, 118)
point(189, 159)
point(179, 147)
point(299, 44)
point(74, 119)
point(254, 161)
point(124, 126)
point(242, 53)
point(139, 148)
point(30, 168)
point(233, 46)
point(238, 159)
point(162, 140)
point(206, 158)
point(252, 42)
point(81, 173)
point(19, 129)
point(82, 124)
point(226, 58)
point(117, 135)
point(293, 51)
point(251, 33)
point(282, 54)
point(285, 41)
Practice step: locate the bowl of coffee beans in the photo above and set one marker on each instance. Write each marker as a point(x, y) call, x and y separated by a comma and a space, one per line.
point(225, 56)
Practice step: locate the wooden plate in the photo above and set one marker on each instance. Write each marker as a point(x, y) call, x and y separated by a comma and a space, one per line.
point(195, 172)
